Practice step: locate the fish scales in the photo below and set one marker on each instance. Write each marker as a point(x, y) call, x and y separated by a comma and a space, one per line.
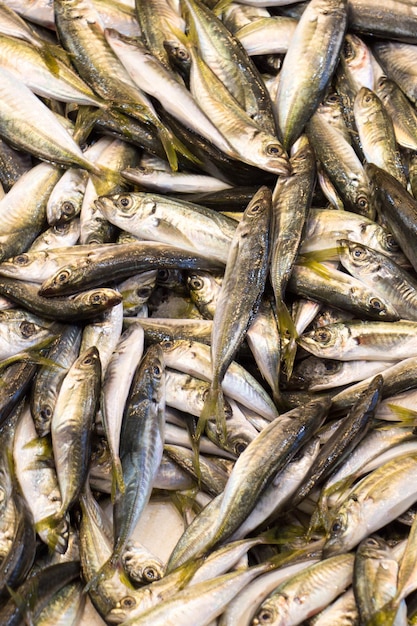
point(102, 555)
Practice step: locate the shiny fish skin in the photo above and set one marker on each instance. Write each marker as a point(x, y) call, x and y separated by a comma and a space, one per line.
point(368, 340)
point(151, 216)
point(321, 583)
point(363, 511)
point(71, 424)
point(298, 93)
point(245, 277)
point(141, 443)
point(249, 506)
point(117, 262)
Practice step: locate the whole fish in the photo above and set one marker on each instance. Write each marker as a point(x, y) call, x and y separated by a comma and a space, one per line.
point(318, 584)
point(294, 190)
point(141, 445)
point(308, 68)
point(188, 226)
point(38, 481)
point(72, 424)
point(397, 207)
point(363, 511)
point(376, 134)
point(119, 261)
point(62, 353)
point(382, 274)
point(243, 283)
point(362, 340)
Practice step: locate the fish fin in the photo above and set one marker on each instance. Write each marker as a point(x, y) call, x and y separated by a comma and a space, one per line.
point(56, 528)
point(321, 516)
point(107, 570)
point(173, 146)
point(26, 603)
point(168, 144)
point(29, 357)
point(214, 409)
point(220, 6)
point(315, 266)
point(287, 330)
point(101, 176)
point(117, 481)
point(86, 119)
point(404, 415)
point(310, 259)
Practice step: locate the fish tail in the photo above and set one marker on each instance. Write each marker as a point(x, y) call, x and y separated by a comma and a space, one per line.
point(106, 571)
point(213, 409)
point(220, 6)
point(117, 483)
point(403, 414)
point(288, 332)
point(174, 146)
point(168, 144)
point(54, 531)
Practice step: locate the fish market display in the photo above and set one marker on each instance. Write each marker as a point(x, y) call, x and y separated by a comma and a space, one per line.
point(208, 312)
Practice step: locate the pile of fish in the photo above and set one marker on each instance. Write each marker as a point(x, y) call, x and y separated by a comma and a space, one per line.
point(208, 226)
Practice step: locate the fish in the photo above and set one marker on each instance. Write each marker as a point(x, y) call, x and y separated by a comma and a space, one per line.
point(234, 313)
point(298, 93)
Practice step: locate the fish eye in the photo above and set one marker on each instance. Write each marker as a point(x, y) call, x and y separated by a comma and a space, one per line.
point(21, 259)
point(27, 329)
point(63, 277)
point(88, 360)
point(45, 412)
point(196, 283)
point(372, 542)
point(265, 616)
point(125, 202)
point(367, 98)
point(337, 526)
point(333, 98)
point(332, 366)
point(255, 209)
point(68, 208)
point(61, 228)
point(239, 447)
point(358, 252)
point(167, 345)
point(157, 371)
point(150, 574)
point(97, 298)
point(390, 243)
point(273, 149)
point(128, 602)
point(323, 335)
point(163, 275)
point(181, 53)
point(143, 292)
point(362, 202)
point(377, 304)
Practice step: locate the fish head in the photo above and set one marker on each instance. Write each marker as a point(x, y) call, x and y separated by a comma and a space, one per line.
point(325, 341)
point(354, 254)
point(343, 534)
point(312, 370)
point(123, 609)
point(270, 154)
point(100, 298)
point(272, 611)
point(71, 274)
point(122, 203)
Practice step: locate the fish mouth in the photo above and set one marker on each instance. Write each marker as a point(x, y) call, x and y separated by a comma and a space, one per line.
point(280, 165)
point(103, 204)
